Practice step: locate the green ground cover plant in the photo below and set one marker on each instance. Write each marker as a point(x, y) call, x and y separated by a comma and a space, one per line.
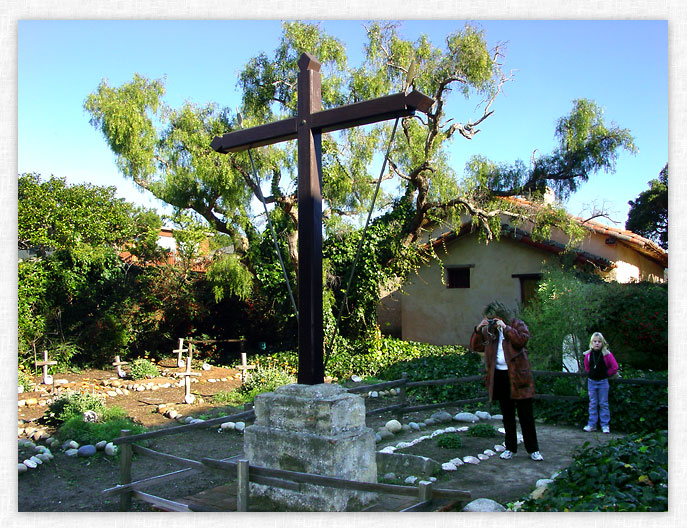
point(627, 474)
point(143, 368)
point(482, 430)
point(108, 427)
point(73, 404)
point(450, 441)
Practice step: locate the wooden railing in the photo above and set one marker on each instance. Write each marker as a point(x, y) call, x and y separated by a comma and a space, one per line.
point(246, 473)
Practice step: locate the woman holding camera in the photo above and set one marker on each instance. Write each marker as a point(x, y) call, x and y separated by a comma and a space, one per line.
point(508, 374)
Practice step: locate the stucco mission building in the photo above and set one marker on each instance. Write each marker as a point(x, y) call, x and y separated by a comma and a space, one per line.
point(442, 302)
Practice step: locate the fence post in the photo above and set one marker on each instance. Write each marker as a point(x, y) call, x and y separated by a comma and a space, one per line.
point(402, 396)
point(125, 453)
point(425, 491)
point(242, 486)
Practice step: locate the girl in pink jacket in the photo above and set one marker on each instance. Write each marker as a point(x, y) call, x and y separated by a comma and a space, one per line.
point(600, 365)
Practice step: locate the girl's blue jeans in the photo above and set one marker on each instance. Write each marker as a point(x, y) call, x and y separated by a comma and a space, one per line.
point(598, 403)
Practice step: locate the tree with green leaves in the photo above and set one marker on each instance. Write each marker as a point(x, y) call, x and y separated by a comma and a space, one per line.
point(167, 151)
point(74, 287)
point(648, 215)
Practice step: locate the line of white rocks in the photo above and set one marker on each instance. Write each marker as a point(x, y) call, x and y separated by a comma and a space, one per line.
point(70, 448)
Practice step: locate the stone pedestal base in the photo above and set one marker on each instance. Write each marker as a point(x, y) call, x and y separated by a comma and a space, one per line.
point(317, 429)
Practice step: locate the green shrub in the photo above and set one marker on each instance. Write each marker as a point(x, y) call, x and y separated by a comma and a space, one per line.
point(434, 362)
point(481, 430)
point(632, 317)
point(25, 381)
point(450, 441)
point(265, 379)
point(235, 398)
point(627, 474)
point(73, 404)
point(143, 368)
point(108, 427)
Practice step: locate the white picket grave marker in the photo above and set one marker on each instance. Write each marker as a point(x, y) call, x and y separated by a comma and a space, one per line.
point(118, 364)
point(188, 397)
point(244, 367)
point(47, 378)
point(179, 352)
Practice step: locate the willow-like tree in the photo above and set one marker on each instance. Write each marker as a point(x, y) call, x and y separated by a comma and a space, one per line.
point(166, 151)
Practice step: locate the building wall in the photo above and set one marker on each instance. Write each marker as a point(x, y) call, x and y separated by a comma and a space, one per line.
point(433, 313)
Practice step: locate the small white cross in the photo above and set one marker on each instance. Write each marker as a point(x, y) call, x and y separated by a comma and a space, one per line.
point(179, 351)
point(117, 363)
point(244, 367)
point(47, 378)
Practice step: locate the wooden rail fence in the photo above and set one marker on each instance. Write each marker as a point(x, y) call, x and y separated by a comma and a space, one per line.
point(245, 473)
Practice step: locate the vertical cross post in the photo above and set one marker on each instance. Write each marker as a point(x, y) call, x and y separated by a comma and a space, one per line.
point(310, 333)
point(180, 351)
point(307, 127)
point(188, 397)
point(244, 367)
point(47, 378)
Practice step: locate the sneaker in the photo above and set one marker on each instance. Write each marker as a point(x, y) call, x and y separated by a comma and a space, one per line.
point(605, 429)
point(536, 456)
point(589, 428)
point(506, 455)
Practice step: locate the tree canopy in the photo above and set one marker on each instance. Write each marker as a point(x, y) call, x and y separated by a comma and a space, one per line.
point(648, 215)
point(167, 151)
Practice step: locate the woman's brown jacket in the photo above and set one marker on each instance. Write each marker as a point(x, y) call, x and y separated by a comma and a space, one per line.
point(515, 336)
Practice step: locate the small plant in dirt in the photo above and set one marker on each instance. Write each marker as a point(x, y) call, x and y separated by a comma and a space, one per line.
point(108, 427)
point(73, 404)
point(142, 369)
point(627, 474)
point(482, 430)
point(24, 381)
point(450, 441)
point(266, 379)
point(235, 398)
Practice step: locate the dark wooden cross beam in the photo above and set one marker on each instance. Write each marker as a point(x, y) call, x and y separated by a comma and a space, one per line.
point(307, 127)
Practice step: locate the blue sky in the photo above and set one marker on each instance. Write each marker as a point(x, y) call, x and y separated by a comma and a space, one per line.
point(622, 65)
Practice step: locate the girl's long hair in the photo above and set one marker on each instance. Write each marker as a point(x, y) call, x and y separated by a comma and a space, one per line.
point(604, 343)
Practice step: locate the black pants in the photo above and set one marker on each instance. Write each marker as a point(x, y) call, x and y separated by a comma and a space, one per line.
point(508, 408)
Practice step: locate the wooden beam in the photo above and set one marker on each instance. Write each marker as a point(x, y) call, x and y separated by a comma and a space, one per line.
point(258, 136)
point(371, 111)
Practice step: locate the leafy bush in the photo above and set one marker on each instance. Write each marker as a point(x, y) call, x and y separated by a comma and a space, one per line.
point(627, 474)
point(143, 368)
point(25, 381)
point(382, 358)
point(234, 398)
point(108, 427)
point(632, 317)
point(73, 404)
point(481, 430)
point(265, 379)
point(634, 321)
point(450, 441)
point(435, 362)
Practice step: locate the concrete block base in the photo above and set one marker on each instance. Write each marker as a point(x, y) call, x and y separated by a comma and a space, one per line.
point(318, 429)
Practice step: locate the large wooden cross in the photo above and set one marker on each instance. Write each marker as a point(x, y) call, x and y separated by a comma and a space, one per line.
point(307, 127)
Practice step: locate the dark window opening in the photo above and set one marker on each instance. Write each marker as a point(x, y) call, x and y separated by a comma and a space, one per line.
point(458, 277)
point(528, 286)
